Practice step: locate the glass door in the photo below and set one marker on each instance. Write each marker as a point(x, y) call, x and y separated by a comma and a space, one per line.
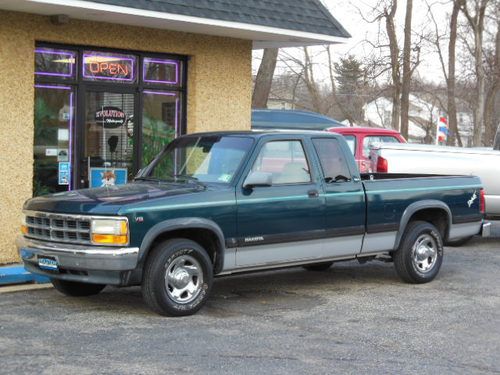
point(107, 152)
point(53, 148)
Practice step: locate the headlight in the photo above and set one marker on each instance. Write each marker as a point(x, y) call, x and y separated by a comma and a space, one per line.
point(109, 231)
point(24, 227)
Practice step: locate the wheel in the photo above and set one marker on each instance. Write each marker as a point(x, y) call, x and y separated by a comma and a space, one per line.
point(420, 253)
point(459, 242)
point(318, 266)
point(76, 289)
point(178, 277)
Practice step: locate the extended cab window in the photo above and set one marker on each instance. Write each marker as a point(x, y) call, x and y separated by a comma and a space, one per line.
point(332, 160)
point(351, 142)
point(369, 140)
point(286, 160)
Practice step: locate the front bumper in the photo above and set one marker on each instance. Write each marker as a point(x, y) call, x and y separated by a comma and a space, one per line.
point(77, 262)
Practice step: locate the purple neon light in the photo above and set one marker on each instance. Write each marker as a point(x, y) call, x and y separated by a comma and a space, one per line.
point(71, 105)
point(165, 62)
point(53, 87)
point(176, 116)
point(131, 59)
point(159, 93)
point(62, 53)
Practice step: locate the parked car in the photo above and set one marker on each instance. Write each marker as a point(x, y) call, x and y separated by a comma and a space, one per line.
point(399, 158)
point(285, 119)
point(221, 203)
point(360, 139)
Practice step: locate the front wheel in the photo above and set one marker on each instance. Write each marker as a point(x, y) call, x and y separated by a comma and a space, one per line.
point(76, 289)
point(420, 253)
point(178, 277)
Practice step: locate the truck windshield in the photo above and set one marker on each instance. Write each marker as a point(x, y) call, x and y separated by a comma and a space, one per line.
point(211, 159)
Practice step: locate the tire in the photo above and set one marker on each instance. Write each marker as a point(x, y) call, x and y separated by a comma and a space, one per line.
point(76, 289)
point(420, 253)
point(318, 266)
point(459, 242)
point(177, 278)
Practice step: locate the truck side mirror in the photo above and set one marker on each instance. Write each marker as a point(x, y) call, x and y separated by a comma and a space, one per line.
point(258, 179)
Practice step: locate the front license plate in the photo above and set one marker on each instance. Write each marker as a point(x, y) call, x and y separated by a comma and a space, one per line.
point(48, 263)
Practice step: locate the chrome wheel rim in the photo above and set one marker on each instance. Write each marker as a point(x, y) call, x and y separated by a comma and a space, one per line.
point(184, 279)
point(424, 253)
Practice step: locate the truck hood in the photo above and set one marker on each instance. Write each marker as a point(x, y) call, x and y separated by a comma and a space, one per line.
point(108, 200)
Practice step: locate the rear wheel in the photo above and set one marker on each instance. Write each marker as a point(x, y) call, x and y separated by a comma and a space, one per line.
point(420, 253)
point(178, 277)
point(76, 289)
point(318, 266)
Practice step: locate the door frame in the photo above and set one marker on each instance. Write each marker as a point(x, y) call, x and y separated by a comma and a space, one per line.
point(81, 102)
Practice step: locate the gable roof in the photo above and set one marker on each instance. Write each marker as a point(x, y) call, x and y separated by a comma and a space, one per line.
point(300, 15)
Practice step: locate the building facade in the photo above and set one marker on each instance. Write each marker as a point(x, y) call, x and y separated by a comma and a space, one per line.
point(89, 88)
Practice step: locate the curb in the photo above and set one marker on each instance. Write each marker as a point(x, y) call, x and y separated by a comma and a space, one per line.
point(16, 274)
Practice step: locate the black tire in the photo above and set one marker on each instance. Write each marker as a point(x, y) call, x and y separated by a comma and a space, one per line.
point(318, 266)
point(459, 242)
point(181, 258)
point(419, 268)
point(76, 289)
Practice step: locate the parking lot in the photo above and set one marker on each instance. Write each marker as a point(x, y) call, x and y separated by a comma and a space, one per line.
point(350, 319)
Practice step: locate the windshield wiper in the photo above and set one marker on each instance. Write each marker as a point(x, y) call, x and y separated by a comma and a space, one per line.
point(188, 178)
point(154, 179)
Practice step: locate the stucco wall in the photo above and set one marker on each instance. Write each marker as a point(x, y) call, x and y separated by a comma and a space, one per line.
point(219, 91)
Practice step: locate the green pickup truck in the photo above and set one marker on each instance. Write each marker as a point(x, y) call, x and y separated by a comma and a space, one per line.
point(220, 203)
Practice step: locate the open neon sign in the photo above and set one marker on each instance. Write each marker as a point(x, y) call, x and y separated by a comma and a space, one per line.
point(108, 67)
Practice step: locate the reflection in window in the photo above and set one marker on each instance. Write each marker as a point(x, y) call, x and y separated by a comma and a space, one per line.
point(160, 122)
point(161, 71)
point(286, 161)
point(55, 63)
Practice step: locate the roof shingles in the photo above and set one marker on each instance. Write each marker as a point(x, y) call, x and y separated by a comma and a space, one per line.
point(298, 15)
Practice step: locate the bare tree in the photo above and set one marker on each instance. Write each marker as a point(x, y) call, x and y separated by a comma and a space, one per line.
point(264, 78)
point(405, 87)
point(493, 86)
point(475, 15)
point(449, 67)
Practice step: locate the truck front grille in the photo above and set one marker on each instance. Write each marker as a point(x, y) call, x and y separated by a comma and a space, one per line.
point(58, 227)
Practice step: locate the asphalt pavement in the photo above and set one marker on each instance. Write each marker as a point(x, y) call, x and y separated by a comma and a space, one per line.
point(351, 319)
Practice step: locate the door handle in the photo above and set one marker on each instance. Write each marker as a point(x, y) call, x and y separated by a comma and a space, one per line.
point(313, 193)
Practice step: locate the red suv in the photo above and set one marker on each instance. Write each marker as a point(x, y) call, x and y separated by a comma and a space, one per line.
point(359, 140)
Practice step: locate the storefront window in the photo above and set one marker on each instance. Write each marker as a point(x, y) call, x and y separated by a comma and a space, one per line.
point(55, 63)
point(101, 66)
point(160, 122)
point(161, 71)
point(54, 116)
point(101, 115)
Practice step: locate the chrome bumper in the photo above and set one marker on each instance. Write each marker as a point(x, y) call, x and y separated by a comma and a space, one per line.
point(78, 257)
point(486, 229)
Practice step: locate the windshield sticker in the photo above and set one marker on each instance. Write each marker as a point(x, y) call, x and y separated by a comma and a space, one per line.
point(225, 177)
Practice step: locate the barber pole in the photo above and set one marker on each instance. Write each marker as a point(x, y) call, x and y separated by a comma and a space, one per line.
point(442, 131)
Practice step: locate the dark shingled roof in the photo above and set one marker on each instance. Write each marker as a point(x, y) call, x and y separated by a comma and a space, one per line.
point(298, 15)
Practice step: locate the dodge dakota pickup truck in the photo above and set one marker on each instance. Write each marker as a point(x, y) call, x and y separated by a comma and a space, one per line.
point(220, 203)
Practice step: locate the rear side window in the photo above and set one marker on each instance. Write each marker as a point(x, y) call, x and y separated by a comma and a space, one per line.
point(369, 140)
point(332, 159)
point(286, 160)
